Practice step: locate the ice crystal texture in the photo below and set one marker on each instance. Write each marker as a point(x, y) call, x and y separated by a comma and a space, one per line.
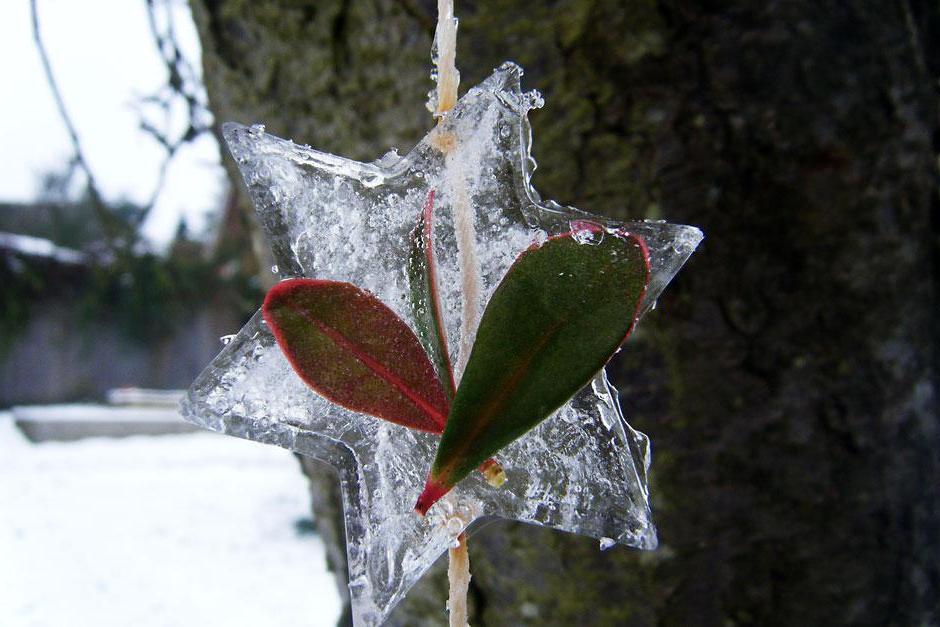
point(582, 470)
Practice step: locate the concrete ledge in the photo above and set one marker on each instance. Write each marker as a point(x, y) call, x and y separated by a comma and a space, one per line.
point(167, 399)
point(44, 423)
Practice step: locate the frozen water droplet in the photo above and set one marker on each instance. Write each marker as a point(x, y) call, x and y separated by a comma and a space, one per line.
point(274, 269)
point(227, 339)
point(256, 130)
point(389, 159)
point(586, 232)
point(532, 100)
point(606, 543)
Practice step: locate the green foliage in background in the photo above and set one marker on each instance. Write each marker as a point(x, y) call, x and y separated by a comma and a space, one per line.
point(143, 294)
point(22, 286)
point(148, 296)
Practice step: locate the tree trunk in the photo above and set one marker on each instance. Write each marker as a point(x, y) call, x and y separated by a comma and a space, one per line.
point(788, 378)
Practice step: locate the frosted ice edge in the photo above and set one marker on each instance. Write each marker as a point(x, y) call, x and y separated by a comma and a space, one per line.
point(381, 465)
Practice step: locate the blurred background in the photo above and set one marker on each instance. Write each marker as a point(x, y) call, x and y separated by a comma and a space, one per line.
point(121, 266)
point(788, 377)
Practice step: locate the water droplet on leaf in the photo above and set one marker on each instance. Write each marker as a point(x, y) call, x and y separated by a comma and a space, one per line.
point(586, 232)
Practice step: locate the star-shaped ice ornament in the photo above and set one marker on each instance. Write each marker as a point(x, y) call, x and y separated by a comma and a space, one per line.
point(582, 470)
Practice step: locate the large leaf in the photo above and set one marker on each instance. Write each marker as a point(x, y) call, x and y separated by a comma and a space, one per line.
point(425, 299)
point(352, 349)
point(558, 315)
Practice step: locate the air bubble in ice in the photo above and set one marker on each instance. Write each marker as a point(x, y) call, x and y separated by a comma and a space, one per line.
point(607, 543)
point(227, 339)
point(454, 525)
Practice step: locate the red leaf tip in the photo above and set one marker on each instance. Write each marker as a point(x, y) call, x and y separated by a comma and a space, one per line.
point(433, 491)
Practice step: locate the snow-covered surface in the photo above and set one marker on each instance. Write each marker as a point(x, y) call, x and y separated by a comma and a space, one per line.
point(183, 530)
point(145, 396)
point(90, 412)
point(42, 423)
point(39, 247)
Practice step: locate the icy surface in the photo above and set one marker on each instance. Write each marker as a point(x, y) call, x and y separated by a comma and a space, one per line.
point(583, 470)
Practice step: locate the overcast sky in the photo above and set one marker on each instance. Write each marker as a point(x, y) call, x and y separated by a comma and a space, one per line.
point(104, 59)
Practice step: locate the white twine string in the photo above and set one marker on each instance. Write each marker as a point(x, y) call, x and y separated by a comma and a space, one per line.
point(456, 177)
point(445, 39)
point(458, 576)
point(455, 182)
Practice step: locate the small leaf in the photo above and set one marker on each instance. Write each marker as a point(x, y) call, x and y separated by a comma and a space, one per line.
point(425, 299)
point(558, 315)
point(353, 350)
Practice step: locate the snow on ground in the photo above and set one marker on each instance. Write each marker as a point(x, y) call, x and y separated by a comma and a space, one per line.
point(176, 530)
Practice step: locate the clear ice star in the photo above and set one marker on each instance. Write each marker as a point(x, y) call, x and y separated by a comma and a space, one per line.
point(583, 470)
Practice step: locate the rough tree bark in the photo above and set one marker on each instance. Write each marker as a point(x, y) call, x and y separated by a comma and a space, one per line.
point(789, 377)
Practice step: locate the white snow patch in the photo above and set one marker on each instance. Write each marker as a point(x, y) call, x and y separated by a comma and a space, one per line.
point(90, 412)
point(40, 247)
point(178, 530)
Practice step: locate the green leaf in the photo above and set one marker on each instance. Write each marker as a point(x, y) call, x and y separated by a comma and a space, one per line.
point(353, 350)
point(425, 299)
point(559, 314)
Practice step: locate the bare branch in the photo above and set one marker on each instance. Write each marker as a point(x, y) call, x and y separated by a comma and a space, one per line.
point(110, 225)
point(182, 82)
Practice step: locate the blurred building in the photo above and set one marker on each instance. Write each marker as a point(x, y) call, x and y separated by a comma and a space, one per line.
point(72, 327)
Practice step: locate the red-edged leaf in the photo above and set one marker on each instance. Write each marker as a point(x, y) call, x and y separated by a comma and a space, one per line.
point(425, 298)
point(353, 350)
point(558, 315)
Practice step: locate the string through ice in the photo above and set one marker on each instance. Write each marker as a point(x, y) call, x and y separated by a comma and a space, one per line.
point(582, 470)
point(444, 57)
